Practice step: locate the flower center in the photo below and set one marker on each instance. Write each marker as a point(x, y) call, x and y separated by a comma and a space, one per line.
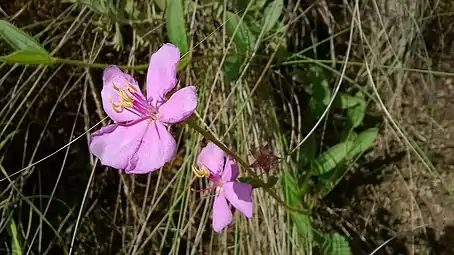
point(204, 172)
point(130, 100)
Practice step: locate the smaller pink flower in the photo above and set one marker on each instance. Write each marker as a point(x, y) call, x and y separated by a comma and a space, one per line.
point(214, 164)
point(139, 142)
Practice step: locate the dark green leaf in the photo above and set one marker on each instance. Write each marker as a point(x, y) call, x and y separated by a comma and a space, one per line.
point(272, 13)
point(176, 25)
point(18, 39)
point(307, 152)
point(28, 57)
point(242, 36)
point(332, 158)
point(232, 67)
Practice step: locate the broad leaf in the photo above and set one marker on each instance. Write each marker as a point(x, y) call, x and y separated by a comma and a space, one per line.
point(332, 158)
point(242, 36)
point(272, 13)
point(176, 25)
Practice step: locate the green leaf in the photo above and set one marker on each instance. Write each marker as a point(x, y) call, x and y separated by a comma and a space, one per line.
point(183, 62)
point(307, 151)
point(18, 39)
point(242, 35)
point(356, 113)
point(320, 93)
point(345, 100)
point(232, 67)
point(363, 142)
point(272, 13)
point(332, 158)
point(335, 244)
point(28, 57)
point(300, 221)
point(176, 26)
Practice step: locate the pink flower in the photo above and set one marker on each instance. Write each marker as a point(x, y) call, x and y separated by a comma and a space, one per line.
point(139, 142)
point(214, 164)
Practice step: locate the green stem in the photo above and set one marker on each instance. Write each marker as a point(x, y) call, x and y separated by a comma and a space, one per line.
point(192, 124)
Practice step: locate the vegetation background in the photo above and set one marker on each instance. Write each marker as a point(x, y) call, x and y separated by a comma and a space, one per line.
point(354, 97)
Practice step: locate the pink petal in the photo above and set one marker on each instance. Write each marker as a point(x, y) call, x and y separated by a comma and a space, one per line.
point(112, 75)
point(179, 106)
point(230, 172)
point(240, 196)
point(222, 215)
point(211, 157)
point(115, 145)
point(162, 71)
point(158, 147)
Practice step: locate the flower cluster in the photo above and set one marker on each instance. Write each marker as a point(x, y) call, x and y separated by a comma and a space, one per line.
point(139, 141)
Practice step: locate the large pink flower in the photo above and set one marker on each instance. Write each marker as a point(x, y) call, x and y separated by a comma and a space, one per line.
point(214, 164)
point(139, 142)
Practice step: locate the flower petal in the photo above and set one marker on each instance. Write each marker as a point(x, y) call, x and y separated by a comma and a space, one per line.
point(179, 106)
point(240, 196)
point(115, 145)
point(230, 172)
point(113, 76)
point(211, 157)
point(162, 71)
point(222, 215)
point(158, 147)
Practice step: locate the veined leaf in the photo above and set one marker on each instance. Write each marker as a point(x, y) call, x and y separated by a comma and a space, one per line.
point(18, 39)
point(363, 142)
point(242, 35)
point(331, 158)
point(176, 25)
point(272, 13)
point(335, 244)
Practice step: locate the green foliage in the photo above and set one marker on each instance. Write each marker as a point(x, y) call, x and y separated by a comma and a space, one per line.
point(15, 238)
point(176, 25)
point(18, 39)
point(293, 197)
point(28, 57)
point(272, 13)
point(331, 158)
point(27, 49)
point(237, 29)
point(334, 244)
point(256, 183)
point(356, 113)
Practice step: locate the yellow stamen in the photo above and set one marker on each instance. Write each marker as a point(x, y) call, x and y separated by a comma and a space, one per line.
point(201, 172)
point(124, 98)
